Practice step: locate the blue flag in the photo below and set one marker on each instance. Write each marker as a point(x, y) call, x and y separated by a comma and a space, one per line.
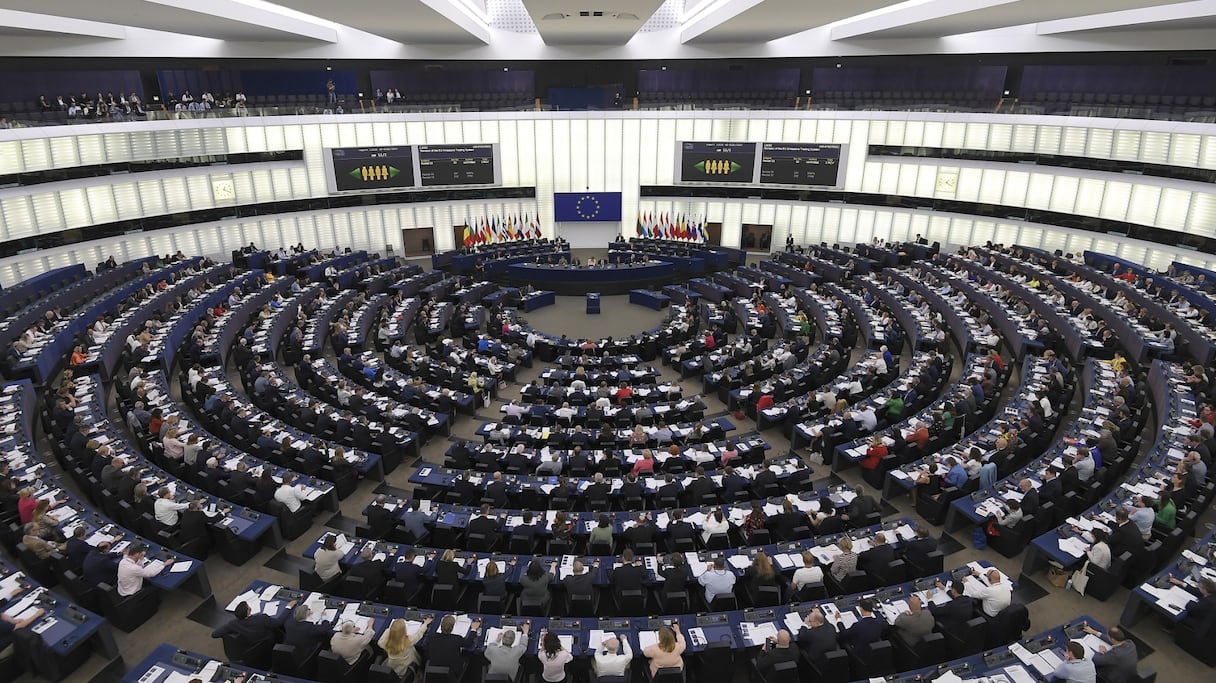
point(586, 207)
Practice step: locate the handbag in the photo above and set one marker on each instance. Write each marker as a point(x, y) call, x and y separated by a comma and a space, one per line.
point(1080, 578)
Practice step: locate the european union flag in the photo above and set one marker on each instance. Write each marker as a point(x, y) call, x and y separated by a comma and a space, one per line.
point(586, 207)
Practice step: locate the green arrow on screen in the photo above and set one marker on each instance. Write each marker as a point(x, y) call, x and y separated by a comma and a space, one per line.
point(731, 167)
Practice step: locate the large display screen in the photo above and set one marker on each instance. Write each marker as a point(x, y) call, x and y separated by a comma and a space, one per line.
point(411, 167)
point(717, 162)
point(799, 163)
point(456, 165)
point(372, 168)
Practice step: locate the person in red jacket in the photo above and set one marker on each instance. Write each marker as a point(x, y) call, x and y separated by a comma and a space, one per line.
point(874, 454)
point(765, 400)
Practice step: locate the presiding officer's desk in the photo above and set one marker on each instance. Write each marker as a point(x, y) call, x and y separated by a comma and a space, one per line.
point(168, 664)
point(69, 632)
point(1159, 595)
point(607, 279)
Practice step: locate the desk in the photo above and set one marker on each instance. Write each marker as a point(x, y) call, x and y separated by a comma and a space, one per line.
point(1155, 594)
point(649, 299)
point(611, 279)
point(167, 660)
point(536, 300)
point(699, 630)
point(593, 303)
point(71, 632)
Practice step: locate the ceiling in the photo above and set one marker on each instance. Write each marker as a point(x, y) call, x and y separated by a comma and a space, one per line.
point(594, 29)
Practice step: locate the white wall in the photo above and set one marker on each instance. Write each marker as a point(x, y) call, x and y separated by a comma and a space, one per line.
point(596, 151)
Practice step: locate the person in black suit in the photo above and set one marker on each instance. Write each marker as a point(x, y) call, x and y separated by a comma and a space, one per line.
point(1052, 488)
point(448, 572)
point(407, 572)
point(579, 463)
point(765, 477)
point(496, 491)
point(240, 479)
point(369, 569)
point(465, 490)
point(628, 576)
point(670, 490)
point(485, 525)
point(446, 648)
point(304, 635)
point(1200, 616)
point(816, 637)
point(486, 459)
point(877, 557)
point(1125, 537)
point(732, 483)
point(632, 488)
point(459, 456)
point(641, 532)
point(529, 529)
point(674, 573)
point(678, 528)
point(518, 462)
point(598, 489)
point(698, 488)
point(952, 616)
point(917, 550)
point(77, 549)
point(789, 519)
point(579, 583)
point(868, 628)
point(1030, 497)
point(253, 628)
point(100, 566)
point(829, 522)
point(192, 522)
point(775, 651)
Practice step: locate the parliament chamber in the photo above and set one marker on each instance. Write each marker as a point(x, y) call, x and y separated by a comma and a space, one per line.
point(692, 341)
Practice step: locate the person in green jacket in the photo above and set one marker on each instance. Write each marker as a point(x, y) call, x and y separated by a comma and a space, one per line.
point(894, 407)
point(1167, 512)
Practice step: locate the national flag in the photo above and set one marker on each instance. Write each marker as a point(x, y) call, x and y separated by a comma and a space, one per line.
point(468, 235)
point(638, 230)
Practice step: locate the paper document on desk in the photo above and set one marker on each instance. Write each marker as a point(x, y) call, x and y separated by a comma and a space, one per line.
point(1018, 674)
point(756, 634)
point(180, 567)
point(647, 638)
point(739, 561)
point(793, 622)
point(248, 597)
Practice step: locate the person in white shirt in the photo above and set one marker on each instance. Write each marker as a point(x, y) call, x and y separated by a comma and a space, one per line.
point(613, 656)
point(603, 403)
point(565, 412)
point(715, 523)
point(995, 596)
point(808, 573)
point(132, 572)
point(866, 418)
point(289, 494)
point(166, 509)
point(513, 409)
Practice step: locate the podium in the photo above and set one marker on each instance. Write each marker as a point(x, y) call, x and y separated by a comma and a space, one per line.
point(593, 303)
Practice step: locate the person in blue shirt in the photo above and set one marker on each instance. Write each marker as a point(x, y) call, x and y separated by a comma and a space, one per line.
point(1075, 668)
point(957, 476)
point(978, 391)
